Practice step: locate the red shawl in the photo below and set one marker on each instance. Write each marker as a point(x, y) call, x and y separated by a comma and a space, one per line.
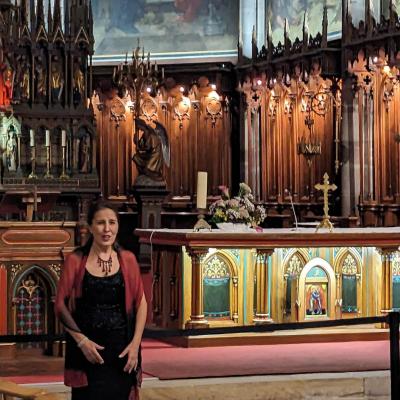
point(70, 289)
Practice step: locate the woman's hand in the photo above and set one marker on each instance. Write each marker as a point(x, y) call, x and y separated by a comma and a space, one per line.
point(89, 349)
point(132, 351)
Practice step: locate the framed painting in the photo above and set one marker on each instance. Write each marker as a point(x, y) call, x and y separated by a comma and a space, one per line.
point(169, 29)
point(316, 299)
point(293, 11)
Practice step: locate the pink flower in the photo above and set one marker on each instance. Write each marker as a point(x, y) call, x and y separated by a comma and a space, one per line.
point(225, 191)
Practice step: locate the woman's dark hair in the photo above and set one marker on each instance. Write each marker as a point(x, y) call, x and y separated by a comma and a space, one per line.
point(98, 206)
point(95, 207)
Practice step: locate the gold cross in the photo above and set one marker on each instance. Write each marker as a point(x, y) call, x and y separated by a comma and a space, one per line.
point(326, 187)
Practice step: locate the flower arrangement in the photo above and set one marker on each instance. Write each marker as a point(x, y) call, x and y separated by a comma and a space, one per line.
point(239, 209)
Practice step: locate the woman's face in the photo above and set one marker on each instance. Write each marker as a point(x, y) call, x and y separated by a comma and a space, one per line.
point(104, 227)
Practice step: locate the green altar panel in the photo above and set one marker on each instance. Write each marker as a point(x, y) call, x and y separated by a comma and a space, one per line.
point(349, 294)
point(396, 291)
point(216, 297)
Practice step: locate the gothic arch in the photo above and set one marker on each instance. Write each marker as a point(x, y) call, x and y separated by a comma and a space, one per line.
point(32, 294)
point(221, 259)
point(330, 286)
point(301, 253)
point(343, 254)
point(348, 269)
point(292, 267)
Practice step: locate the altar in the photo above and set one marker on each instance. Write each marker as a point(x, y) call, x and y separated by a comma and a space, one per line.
point(217, 278)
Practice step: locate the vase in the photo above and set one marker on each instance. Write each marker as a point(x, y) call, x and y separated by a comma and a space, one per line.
point(233, 227)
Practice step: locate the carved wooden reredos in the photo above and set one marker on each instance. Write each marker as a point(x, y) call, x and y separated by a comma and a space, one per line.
point(198, 122)
point(47, 125)
point(311, 106)
point(277, 120)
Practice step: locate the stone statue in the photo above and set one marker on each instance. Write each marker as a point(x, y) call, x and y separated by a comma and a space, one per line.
point(57, 80)
point(11, 150)
point(152, 150)
point(84, 154)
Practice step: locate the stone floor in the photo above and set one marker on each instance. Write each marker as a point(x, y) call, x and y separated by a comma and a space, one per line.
point(373, 385)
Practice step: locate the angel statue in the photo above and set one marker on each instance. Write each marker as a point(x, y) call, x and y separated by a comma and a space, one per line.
point(152, 151)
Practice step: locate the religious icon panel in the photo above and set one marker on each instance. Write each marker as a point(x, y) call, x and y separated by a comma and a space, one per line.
point(316, 299)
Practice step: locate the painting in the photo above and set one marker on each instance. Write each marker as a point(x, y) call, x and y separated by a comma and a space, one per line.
point(166, 28)
point(316, 299)
point(293, 11)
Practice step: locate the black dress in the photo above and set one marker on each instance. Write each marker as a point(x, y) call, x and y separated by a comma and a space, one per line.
point(102, 318)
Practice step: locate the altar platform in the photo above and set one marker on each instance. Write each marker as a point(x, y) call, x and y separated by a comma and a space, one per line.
point(225, 279)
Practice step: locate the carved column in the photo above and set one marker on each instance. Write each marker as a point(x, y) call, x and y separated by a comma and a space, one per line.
point(173, 287)
point(157, 286)
point(387, 256)
point(262, 278)
point(339, 300)
point(197, 319)
point(3, 299)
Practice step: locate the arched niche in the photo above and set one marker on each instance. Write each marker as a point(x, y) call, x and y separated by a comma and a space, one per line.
point(317, 282)
point(348, 270)
point(220, 289)
point(293, 266)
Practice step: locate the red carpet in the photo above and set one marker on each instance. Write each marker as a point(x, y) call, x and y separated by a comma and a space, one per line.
point(168, 362)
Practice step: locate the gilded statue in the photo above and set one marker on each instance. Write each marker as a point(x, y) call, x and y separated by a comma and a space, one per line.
point(6, 84)
point(152, 149)
point(57, 80)
point(41, 78)
point(79, 84)
point(22, 80)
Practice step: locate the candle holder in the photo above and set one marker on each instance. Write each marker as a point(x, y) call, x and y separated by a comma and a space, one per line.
point(33, 175)
point(201, 222)
point(48, 175)
point(64, 174)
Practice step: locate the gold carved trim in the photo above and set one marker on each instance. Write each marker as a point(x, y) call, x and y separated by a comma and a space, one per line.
point(349, 265)
point(15, 270)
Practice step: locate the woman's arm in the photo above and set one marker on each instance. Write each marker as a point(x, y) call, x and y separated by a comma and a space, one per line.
point(133, 347)
point(63, 296)
point(141, 316)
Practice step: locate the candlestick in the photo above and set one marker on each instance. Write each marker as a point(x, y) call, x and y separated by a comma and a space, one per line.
point(33, 175)
point(201, 202)
point(47, 138)
point(64, 174)
point(63, 138)
point(48, 175)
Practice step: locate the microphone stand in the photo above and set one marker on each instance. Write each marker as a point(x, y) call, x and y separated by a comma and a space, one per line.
point(293, 209)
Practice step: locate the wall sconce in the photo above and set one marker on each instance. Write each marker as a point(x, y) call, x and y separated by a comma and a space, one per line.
point(310, 148)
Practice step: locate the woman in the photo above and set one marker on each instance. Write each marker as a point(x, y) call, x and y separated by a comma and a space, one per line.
point(100, 302)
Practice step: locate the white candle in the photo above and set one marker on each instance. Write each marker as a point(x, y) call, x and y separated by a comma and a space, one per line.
point(63, 138)
point(47, 138)
point(32, 137)
point(201, 190)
